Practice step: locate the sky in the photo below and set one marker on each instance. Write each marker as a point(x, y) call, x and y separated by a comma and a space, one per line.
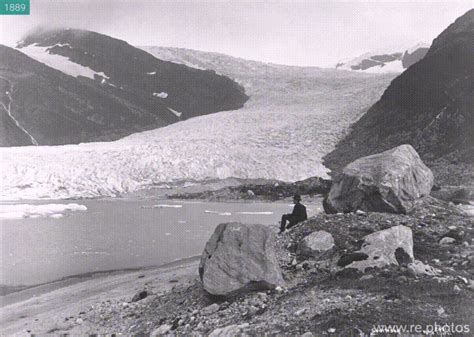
point(305, 33)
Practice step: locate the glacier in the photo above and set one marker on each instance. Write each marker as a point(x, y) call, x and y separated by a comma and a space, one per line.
point(293, 118)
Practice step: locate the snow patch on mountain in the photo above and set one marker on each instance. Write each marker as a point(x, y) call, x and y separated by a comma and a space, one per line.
point(161, 94)
point(61, 63)
point(177, 113)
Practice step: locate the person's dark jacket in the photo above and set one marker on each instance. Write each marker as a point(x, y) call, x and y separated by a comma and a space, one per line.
point(299, 213)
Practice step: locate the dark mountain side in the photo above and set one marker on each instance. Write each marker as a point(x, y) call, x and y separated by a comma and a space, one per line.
point(410, 59)
point(10, 131)
point(190, 91)
point(78, 86)
point(430, 106)
point(45, 106)
point(10, 134)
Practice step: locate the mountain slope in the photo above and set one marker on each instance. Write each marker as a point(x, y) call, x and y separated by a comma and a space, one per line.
point(79, 86)
point(48, 107)
point(188, 90)
point(430, 106)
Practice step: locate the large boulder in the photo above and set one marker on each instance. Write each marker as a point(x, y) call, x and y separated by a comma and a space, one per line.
point(380, 249)
point(390, 181)
point(315, 244)
point(239, 258)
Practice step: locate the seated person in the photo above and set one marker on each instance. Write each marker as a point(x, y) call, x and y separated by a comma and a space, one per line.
point(298, 214)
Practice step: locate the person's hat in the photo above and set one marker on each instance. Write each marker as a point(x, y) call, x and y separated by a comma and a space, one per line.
point(297, 197)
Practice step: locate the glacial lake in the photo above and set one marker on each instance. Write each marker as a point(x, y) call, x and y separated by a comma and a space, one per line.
point(115, 234)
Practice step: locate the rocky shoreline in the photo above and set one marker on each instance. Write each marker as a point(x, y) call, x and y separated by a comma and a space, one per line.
point(249, 190)
point(259, 190)
point(314, 299)
point(318, 296)
point(356, 271)
point(61, 307)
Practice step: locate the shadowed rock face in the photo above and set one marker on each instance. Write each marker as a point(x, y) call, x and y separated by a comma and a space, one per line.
point(410, 59)
point(390, 181)
point(55, 108)
point(430, 106)
point(239, 258)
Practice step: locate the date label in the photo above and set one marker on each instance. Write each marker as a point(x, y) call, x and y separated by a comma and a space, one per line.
point(14, 7)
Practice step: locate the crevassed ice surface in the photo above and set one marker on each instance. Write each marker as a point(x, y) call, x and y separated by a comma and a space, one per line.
point(294, 117)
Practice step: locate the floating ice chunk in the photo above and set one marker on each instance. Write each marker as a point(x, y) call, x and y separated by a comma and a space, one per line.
point(21, 211)
point(217, 212)
point(161, 94)
point(167, 206)
point(255, 213)
point(163, 206)
point(151, 73)
point(12, 215)
point(88, 253)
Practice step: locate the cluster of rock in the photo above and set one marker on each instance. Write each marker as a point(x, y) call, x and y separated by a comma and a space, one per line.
point(253, 282)
point(280, 190)
point(256, 282)
point(239, 258)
